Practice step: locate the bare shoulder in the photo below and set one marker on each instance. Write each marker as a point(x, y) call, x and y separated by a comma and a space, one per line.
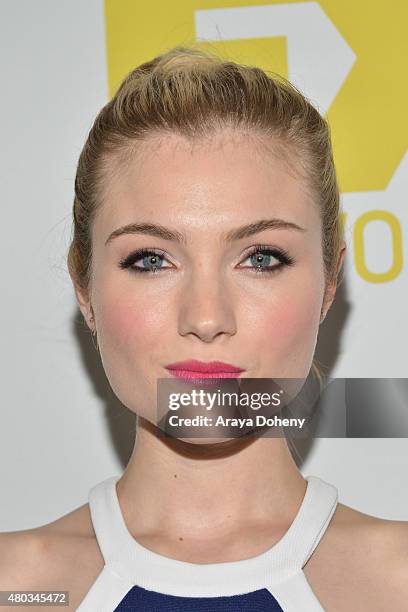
point(374, 535)
point(369, 555)
point(61, 555)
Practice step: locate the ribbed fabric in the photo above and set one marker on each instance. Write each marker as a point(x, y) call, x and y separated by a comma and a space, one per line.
point(136, 578)
point(140, 599)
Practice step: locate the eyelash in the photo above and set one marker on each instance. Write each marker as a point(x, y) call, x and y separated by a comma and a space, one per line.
point(284, 258)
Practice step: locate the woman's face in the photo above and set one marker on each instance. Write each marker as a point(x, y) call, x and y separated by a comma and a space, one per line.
point(206, 300)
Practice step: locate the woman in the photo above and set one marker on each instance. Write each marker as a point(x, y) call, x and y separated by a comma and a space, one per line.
point(207, 228)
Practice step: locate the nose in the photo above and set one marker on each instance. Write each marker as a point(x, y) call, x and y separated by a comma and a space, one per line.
point(207, 310)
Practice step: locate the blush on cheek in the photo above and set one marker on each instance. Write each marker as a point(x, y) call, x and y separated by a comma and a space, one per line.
point(289, 337)
point(131, 334)
point(118, 325)
point(128, 346)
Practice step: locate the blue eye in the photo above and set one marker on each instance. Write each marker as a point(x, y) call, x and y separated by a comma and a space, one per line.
point(261, 255)
point(152, 261)
point(261, 260)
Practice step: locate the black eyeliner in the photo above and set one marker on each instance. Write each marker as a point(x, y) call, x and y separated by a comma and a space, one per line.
point(281, 255)
point(134, 256)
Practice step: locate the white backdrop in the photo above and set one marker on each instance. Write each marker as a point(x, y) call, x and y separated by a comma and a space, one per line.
point(62, 430)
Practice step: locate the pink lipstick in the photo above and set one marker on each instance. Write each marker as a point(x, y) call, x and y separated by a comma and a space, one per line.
point(193, 370)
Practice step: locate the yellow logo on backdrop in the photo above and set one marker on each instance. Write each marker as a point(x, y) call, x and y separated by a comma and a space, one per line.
point(366, 109)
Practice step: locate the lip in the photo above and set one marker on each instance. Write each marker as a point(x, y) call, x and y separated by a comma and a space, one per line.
point(193, 368)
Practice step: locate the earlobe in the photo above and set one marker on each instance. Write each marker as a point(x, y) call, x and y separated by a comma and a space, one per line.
point(328, 299)
point(332, 288)
point(85, 307)
point(340, 260)
point(325, 309)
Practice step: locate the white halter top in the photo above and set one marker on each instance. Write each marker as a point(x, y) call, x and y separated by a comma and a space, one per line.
point(136, 578)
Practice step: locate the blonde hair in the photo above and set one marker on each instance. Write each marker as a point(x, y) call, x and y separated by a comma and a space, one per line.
point(188, 91)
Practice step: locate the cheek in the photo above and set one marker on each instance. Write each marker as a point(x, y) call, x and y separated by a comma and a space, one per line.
point(294, 322)
point(286, 329)
point(131, 332)
point(132, 327)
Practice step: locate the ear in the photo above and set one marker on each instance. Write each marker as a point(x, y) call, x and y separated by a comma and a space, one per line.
point(332, 287)
point(85, 306)
point(83, 298)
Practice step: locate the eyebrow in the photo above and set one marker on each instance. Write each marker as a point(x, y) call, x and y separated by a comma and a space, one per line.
point(244, 231)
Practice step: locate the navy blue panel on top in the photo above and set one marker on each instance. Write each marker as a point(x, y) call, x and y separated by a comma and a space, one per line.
point(139, 599)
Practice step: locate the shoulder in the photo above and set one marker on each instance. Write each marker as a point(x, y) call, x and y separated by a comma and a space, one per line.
point(386, 545)
point(384, 552)
point(369, 555)
point(63, 552)
point(375, 538)
point(374, 534)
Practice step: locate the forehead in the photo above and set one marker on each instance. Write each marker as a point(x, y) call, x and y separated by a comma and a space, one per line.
point(228, 176)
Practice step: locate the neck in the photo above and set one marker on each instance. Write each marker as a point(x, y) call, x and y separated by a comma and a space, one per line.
point(196, 490)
